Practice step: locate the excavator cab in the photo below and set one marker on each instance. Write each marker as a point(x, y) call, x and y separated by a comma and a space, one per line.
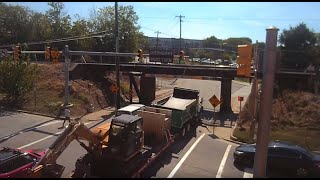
point(125, 136)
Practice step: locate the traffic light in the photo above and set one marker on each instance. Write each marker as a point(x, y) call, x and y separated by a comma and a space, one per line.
point(244, 60)
point(47, 53)
point(17, 53)
point(55, 56)
point(140, 55)
point(181, 57)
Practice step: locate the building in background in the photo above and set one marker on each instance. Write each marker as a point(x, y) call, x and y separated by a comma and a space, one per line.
point(174, 43)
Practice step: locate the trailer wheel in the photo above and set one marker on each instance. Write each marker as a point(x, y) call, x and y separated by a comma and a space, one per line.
point(183, 131)
point(188, 127)
point(83, 167)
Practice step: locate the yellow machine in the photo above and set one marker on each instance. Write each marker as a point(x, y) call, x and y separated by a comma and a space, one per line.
point(115, 149)
point(97, 138)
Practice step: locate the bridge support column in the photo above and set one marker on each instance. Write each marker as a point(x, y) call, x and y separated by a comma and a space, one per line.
point(225, 94)
point(147, 89)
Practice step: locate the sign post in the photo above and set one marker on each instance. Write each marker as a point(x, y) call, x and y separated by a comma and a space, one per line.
point(214, 102)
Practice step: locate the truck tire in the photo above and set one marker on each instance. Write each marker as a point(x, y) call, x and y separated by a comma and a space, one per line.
point(83, 167)
point(188, 127)
point(183, 131)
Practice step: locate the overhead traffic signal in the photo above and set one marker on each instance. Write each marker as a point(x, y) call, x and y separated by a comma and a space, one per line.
point(140, 55)
point(47, 53)
point(181, 57)
point(244, 60)
point(55, 56)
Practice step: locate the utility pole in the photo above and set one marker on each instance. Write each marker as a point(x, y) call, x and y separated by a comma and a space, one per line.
point(180, 31)
point(157, 38)
point(117, 58)
point(254, 91)
point(265, 110)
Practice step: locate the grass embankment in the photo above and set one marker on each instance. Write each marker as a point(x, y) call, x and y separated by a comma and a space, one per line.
point(48, 94)
point(295, 118)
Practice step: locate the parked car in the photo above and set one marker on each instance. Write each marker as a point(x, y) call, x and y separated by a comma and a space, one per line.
point(15, 163)
point(282, 157)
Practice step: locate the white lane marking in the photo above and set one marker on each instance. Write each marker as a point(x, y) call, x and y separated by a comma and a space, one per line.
point(29, 129)
point(223, 162)
point(248, 173)
point(47, 137)
point(47, 124)
point(173, 172)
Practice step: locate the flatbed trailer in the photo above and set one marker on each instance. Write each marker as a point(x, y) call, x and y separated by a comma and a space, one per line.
point(156, 139)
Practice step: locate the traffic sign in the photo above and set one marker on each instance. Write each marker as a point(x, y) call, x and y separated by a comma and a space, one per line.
point(214, 101)
point(114, 88)
point(3, 53)
point(161, 55)
point(240, 98)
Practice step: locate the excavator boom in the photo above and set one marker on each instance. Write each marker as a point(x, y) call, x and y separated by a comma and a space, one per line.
point(75, 131)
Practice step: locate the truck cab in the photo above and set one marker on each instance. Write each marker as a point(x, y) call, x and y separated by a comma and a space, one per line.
point(126, 136)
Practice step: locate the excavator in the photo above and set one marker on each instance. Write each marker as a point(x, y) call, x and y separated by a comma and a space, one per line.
point(47, 165)
point(125, 146)
point(114, 149)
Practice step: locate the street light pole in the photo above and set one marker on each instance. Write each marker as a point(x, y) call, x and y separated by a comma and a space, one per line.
point(265, 110)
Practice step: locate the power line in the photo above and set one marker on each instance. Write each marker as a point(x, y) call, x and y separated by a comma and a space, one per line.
point(239, 19)
point(156, 30)
point(252, 19)
point(60, 39)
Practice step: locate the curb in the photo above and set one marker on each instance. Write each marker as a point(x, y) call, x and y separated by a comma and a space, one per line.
point(233, 141)
point(241, 83)
point(233, 138)
point(34, 113)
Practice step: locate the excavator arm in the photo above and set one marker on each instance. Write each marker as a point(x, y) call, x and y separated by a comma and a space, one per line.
point(75, 131)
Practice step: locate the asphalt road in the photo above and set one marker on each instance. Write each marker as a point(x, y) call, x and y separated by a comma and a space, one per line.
point(25, 131)
point(199, 155)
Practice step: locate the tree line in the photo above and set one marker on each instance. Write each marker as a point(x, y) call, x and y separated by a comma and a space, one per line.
point(18, 24)
point(299, 45)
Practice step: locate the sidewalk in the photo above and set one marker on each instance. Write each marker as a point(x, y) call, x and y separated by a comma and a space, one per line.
point(98, 115)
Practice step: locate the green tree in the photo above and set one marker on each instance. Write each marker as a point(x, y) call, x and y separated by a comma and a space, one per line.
point(313, 54)
point(14, 24)
point(60, 22)
point(16, 79)
point(212, 42)
point(296, 41)
point(80, 27)
point(103, 19)
point(237, 41)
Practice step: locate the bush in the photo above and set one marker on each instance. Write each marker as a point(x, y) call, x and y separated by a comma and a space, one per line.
point(17, 79)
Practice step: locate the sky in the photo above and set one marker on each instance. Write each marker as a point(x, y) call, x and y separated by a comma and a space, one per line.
point(204, 19)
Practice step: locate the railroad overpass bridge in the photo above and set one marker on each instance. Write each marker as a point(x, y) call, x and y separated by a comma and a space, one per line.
point(146, 92)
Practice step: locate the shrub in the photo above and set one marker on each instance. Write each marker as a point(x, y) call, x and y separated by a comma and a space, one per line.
point(17, 79)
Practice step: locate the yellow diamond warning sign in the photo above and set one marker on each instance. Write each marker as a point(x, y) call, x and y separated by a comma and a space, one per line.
point(214, 101)
point(114, 88)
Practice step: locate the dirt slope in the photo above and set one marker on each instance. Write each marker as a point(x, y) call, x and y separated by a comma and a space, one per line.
point(49, 93)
